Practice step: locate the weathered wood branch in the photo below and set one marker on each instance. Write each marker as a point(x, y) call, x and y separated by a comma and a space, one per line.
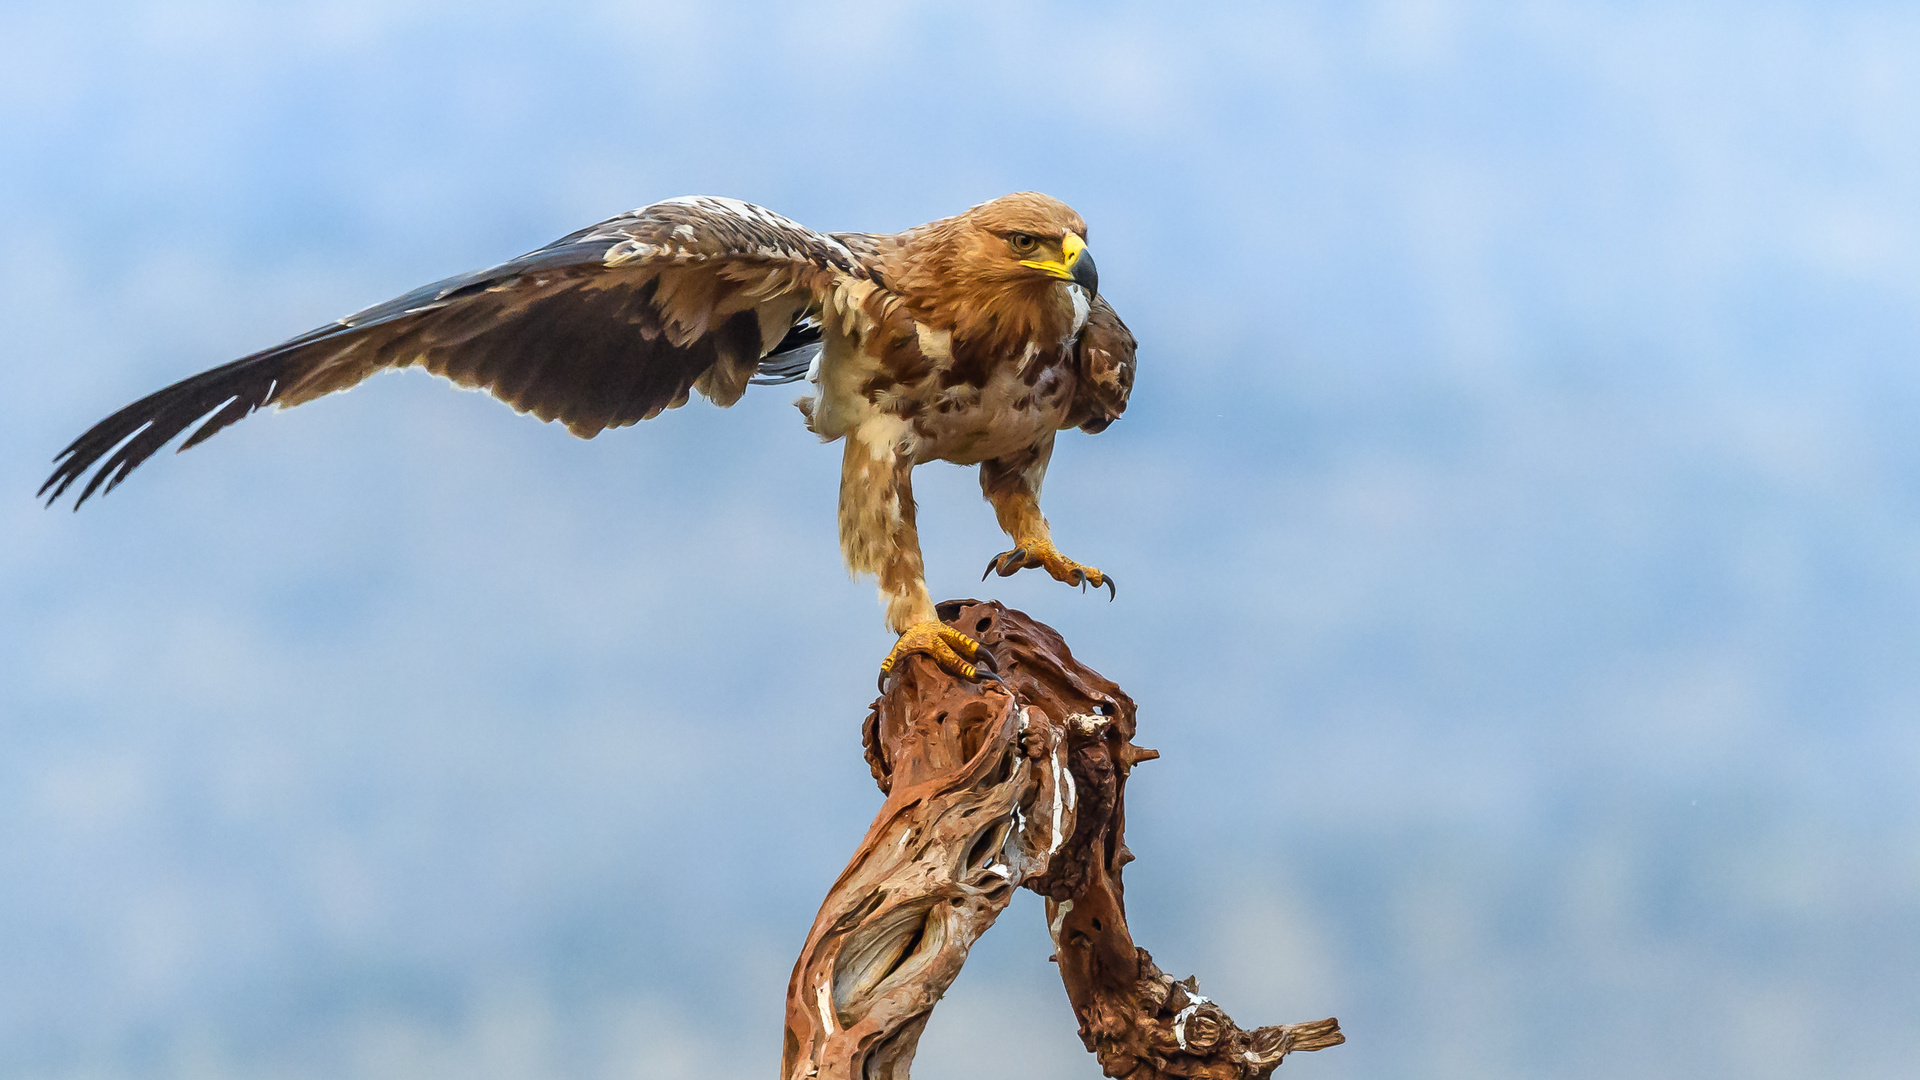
point(988, 787)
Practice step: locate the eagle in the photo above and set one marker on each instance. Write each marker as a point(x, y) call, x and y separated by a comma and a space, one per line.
point(973, 339)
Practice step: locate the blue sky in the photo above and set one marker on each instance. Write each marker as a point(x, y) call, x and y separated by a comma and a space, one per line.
point(1519, 518)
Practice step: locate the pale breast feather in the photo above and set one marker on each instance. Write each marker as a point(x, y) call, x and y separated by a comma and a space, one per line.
point(1082, 308)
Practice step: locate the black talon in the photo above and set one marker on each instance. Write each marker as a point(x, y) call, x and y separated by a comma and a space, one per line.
point(983, 675)
point(982, 656)
point(1113, 591)
point(1015, 559)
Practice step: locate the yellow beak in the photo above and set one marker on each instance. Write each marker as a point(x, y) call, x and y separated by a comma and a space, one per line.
point(1074, 263)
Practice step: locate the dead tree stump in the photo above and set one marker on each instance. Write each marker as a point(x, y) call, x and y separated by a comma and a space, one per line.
point(989, 787)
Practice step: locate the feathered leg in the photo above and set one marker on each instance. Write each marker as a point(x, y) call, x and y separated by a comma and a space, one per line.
point(1012, 485)
point(877, 536)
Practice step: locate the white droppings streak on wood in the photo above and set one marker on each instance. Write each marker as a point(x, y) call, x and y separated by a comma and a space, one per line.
point(824, 997)
point(1059, 919)
point(1060, 795)
point(1180, 1021)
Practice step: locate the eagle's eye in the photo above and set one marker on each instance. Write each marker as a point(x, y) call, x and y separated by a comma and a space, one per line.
point(1023, 243)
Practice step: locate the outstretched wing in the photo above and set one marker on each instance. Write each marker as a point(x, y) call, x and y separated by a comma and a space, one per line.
point(599, 329)
point(1104, 361)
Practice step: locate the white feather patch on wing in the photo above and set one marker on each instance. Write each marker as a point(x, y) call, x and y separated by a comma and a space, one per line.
point(628, 250)
point(722, 205)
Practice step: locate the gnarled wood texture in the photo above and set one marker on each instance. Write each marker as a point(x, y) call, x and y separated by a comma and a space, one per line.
point(991, 786)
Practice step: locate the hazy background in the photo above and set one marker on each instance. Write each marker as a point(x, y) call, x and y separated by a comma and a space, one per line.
point(1518, 526)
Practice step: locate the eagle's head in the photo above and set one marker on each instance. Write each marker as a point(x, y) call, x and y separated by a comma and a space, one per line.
point(1001, 273)
point(1028, 237)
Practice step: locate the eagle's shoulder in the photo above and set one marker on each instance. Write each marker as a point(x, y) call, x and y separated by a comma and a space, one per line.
point(702, 228)
point(1104, 362)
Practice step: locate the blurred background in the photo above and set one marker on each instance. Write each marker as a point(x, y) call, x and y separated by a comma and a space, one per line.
point(1518, 516)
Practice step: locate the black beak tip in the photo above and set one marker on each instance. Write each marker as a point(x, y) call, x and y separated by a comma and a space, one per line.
point(1085, 274)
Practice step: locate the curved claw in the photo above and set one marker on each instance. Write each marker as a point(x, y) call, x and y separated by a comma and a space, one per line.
point(953, 651)
point(1007, 563)
point(1043, 555)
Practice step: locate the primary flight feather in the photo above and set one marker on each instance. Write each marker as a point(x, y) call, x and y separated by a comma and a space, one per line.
point(971, 339)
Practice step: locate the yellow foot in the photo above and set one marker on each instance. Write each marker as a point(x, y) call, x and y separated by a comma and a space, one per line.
point(1043, 554)
point(950, 648)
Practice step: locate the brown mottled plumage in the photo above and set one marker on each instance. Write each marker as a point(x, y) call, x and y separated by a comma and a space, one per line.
point(971, 339)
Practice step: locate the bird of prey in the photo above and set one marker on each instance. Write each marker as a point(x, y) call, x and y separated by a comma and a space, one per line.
point(971, 339)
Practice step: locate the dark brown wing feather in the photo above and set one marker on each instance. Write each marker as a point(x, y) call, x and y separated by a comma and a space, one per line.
point(602, 328)
point(1104, 361)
